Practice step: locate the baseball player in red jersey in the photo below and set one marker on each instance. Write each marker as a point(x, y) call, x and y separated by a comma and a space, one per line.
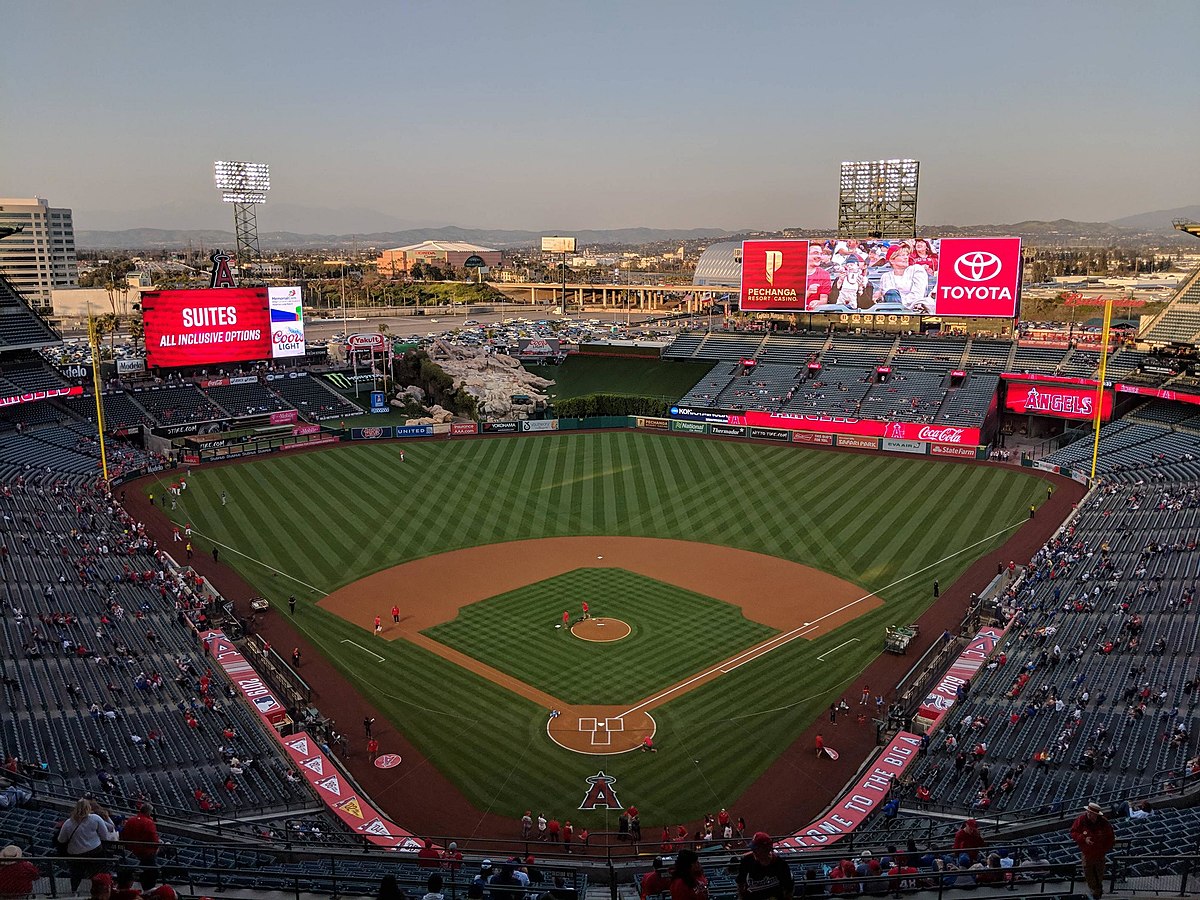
point(378, 625)
point(396, 614)
point(566, 618)
point(585, 610)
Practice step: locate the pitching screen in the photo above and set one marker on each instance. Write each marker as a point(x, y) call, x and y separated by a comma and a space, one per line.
point(960, 276)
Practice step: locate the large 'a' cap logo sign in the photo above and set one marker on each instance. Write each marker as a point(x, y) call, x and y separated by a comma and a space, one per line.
point(222, 275)
point(601, 793)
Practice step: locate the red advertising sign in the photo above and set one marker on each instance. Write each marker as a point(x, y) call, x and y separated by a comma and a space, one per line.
point(283, 417)
point(306, 429)
point(1160, 393)
point(464, 428)
point(952, 450)
point(775, 275)
point(868, 794)
point(978, 276)
point(202, 327)
point(969, 662)
point(804, 437)
point(905, 431)
point(1058, 401)
point(372, 341)
point(48, 394)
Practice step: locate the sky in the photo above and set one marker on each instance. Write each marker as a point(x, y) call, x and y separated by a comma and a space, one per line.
point(552, 115)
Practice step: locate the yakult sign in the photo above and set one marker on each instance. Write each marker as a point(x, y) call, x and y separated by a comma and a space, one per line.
point(979, 276)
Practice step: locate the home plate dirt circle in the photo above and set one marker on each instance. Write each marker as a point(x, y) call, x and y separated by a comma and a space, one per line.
point(600, 730)
point(601, 630)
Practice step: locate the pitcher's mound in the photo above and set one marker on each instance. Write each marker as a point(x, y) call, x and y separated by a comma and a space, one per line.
point(601, 630)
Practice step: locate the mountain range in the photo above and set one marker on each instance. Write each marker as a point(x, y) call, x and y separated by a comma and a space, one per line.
point(1144, 229)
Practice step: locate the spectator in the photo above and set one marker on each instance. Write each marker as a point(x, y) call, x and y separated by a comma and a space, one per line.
point(969, 839)
point(433, 887)
point(762, 874)
point(84, 833)
point(17, 875)
point(389, 889)
point(1094, 836)
point(688, 881)
point(656, 881)
point(140, 835)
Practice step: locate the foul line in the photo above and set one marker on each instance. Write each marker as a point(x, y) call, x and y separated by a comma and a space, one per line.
point(780, 640)
point(363, 649)
point(838, 647)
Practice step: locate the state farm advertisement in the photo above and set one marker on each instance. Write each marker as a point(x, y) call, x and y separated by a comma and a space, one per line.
point(204, 327)
point(775, 275)
point(1058, 401)
point(978, 276)
point(902, 431)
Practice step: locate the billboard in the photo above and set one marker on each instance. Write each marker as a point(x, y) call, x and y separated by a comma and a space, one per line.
point(202, 327)
point(1057, 400)
point(287, 321)
point(558, 245)
point(959, 276)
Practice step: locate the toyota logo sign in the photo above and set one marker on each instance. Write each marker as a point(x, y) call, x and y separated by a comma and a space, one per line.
point(977, 266)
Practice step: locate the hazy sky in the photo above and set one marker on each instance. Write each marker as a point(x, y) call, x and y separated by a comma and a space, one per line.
point(560, 115)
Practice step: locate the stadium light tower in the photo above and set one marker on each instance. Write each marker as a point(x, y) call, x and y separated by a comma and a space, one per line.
point(878, 198)
point(245, 185)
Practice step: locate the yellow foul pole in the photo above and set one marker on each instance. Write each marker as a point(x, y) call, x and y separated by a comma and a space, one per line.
point(1108, 305)
point(94, 341)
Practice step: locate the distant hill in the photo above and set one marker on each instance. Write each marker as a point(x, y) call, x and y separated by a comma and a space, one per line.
point(1159, 220)
point(168, 239)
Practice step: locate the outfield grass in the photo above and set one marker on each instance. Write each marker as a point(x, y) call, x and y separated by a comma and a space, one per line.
point(675, 633)
point(580, 375)
point(329, 518)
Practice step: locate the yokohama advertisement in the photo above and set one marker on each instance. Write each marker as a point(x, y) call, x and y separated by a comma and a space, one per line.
point(903, 431)
point(775, 275)
point(1057, 401)
point(201, 327)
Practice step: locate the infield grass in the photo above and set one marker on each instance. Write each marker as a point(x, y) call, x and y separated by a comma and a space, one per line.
point(675, 633)
point(328, 518)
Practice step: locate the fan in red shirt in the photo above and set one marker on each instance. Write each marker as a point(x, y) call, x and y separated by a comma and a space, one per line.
point(428, 857)
point(688, 881)
point(140, 835)
point(16, 875)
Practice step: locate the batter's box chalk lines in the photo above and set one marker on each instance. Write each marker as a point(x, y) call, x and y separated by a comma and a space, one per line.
point(364, 649)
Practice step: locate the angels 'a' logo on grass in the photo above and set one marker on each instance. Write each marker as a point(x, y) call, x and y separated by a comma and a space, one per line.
point(600, 793)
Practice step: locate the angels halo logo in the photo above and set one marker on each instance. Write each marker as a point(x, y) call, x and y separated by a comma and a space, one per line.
point(600, 793)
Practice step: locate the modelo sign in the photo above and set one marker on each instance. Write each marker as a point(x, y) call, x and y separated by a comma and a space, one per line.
point(978, 276)
point(201, 327)
point(1057, 401)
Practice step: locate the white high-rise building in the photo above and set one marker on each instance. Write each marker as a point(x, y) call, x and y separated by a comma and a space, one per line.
point(42, 257)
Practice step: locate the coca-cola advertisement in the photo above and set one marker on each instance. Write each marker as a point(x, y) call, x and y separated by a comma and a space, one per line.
point(903, 431)
point(1057, 401)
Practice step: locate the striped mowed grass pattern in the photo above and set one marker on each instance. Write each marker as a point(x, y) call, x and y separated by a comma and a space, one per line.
point(329, 518)
point(675, 633)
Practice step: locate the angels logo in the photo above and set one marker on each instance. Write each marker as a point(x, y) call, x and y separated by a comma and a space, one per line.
point(600, 793)
point(331, 784)
point(351, 807)
point(222, 275)
point(372, 433)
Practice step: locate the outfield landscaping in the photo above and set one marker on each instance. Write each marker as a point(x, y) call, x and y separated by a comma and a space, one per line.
point(317, 521)
point(660, 378)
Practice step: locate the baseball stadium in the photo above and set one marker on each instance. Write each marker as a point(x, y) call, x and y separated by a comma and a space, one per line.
point(912, 606)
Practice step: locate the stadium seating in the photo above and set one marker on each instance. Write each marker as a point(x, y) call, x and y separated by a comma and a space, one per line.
point(990, 356)
point(1180, 322)
point(20, 326)
point(245, 399)
point(313, 398)
point(1043, 360)
point(931, 354)
point(177, 405)
point(968, 403)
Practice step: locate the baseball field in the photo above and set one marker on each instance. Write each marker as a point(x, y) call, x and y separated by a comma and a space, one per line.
point(742, 588)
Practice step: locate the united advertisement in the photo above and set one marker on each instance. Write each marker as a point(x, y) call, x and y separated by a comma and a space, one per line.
point(960, 276)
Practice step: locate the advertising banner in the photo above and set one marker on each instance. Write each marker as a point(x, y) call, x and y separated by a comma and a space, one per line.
point(727, 430)
point(464, 428)
point(1058, 401)
point(49, 394)
point(374, 342)
point(413, 431)
point(130, 366)
point(287, 321)
point(978, 276)
point(244, 379)
point(500, 427)
point(969, 662)
point(539, 425)
point(77, 372)
point(707, 414)
point(652, 423)
point(905, 431)
point(202, 327)
point(378, 402)
point(689, 427)
point(953, 450)
point(897, 446)
point(770, 434)
point(300, 445)
point(370, 434)
point(1160, 393)
point(855, 442)
point(961, 276)
point(306, 429)
point(775, 276)
point(284, 417)
point(804, 437)
point(537, 346)
point(869, 793)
